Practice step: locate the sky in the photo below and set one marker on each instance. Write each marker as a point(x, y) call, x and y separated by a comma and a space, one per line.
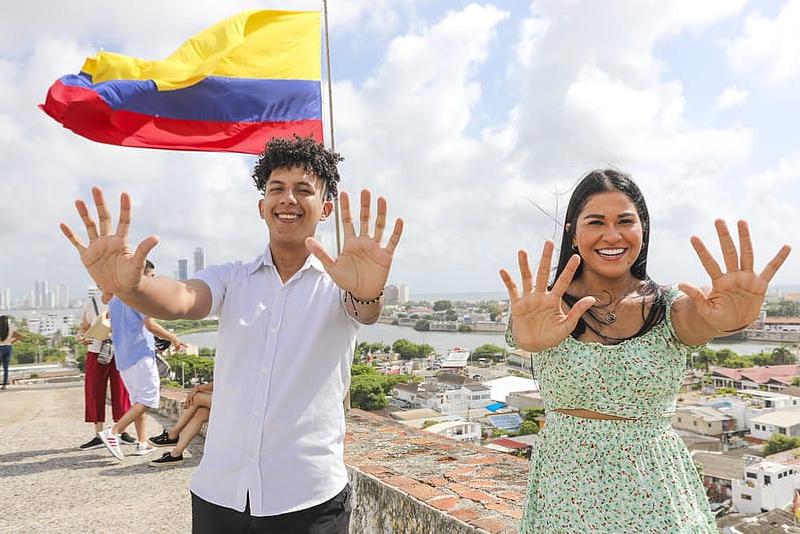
point(474, 120)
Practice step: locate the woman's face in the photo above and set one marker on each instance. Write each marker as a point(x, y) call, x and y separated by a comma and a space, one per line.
point(608, 234)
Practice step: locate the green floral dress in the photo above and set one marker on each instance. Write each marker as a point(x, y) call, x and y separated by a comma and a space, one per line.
point(614, 476)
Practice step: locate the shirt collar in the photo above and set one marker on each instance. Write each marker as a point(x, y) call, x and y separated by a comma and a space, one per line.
point(265, 259)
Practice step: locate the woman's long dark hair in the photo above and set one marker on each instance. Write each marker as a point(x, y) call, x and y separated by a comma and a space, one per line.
point(4, 327)
point(604, 181)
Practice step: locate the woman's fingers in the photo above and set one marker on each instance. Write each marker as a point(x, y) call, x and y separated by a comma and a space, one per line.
point(727, 245)
point(577, 311)
point(525, 272)
point(696, 295)
point(511, 286)
point(562, 282)
point(543, 272)
point(706, 259)
point(775, 264)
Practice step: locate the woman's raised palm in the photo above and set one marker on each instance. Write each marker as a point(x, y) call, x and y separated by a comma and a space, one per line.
point(539, 319)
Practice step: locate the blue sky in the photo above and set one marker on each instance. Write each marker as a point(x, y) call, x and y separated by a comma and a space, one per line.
point(460, 113)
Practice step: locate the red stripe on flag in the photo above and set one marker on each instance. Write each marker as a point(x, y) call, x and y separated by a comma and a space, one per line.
point(85, 113)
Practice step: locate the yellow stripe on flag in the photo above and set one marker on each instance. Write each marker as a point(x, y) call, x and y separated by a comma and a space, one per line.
point(283, 45)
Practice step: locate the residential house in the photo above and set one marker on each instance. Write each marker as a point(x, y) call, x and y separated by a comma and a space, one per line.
point(786, 422)
point(703, 420)
point(719, 471)
point(510, 446)
point(525, 400)
point(457, 430)
point(449, 393)
point(767, 377)
point(765, 486)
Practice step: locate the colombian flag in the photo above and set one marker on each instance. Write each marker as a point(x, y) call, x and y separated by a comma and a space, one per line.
point(229, 88)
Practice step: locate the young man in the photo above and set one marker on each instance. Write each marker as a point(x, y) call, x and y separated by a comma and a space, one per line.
point(135, 358)
point(288, 320)
point(97, 378)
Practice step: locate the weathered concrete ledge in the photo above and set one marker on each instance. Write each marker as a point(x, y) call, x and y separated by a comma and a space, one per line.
point(410, 481)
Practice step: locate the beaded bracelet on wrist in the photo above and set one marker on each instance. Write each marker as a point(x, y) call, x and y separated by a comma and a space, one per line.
point(365, 302)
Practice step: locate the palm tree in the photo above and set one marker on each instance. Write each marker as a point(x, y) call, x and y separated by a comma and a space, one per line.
point(782, 355)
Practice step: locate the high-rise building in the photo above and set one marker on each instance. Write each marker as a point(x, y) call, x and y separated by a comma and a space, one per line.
point(404, 294)
point(183, 269)
point(199, 259)
point(391, 294)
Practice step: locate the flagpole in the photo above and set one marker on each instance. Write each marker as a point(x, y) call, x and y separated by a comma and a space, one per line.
point(346, 401)
point(330, 117)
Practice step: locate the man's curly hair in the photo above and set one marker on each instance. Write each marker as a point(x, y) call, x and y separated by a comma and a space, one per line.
point(299, 152)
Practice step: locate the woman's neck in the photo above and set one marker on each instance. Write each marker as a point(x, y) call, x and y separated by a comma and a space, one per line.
point(592, 284)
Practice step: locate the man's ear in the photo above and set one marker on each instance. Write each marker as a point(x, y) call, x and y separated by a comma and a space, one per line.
point(261, 209)
point(327, 209)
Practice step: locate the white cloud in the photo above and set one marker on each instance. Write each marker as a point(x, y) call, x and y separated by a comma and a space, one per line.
point(731, 97)
point(770, 48)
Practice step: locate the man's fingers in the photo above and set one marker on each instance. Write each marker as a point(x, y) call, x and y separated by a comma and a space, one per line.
point(144, 248)
point(775, 264)
point(380, 220)
point(709, 263)
point(562, 283)
point(511, 286)
point(543, 272)
point(316, 248)
point(67, 231)
point(394, 239)
point(366, 200)
point(124, 216)
point(88, 222)
point(727, 245)
point(347, 216)
point(525, 272)
point(746, 246)
point(103, 215)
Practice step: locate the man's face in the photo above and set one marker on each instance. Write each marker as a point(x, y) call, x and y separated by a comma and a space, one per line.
point(293, 205)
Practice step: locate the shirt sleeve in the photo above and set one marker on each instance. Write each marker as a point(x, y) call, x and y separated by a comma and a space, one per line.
point(217, 278)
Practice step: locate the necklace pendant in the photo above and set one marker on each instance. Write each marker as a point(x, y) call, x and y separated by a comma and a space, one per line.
point(611, 317)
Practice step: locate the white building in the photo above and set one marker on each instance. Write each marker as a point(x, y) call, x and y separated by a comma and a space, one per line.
point(458, 430)
point(452, 393)
point(199, 259)
point(786, 422)
point(502, 387)
point(49, 323)
point(766, 485)
point(404, 293)
point(751, 403)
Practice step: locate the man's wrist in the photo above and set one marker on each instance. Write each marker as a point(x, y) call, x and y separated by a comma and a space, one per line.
point(365, 301)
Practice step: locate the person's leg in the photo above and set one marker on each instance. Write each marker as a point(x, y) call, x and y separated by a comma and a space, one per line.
point(94, 392)
point(137, 411)
point(208, 518)
point(5, 356)
point(183, 420)
point(330, 517)
point(190, 431)
point(120, 401)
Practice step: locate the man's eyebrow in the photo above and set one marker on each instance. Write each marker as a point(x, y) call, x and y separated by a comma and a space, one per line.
point(594, 216)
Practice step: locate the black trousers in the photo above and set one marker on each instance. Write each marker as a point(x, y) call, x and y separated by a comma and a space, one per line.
point(330, 517)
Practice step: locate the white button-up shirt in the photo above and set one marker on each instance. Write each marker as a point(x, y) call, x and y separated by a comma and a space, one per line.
point(281, 373)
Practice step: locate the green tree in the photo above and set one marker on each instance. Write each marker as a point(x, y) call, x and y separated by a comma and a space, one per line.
point(367, 393)
point(406, 349)
point(532, 414)
point(441, 305)
point(528, 427)
point(780, 443)
point(424, 350)
point(487, 350)
point(451, 315)
point(464, 328)
point(782, 356)
point(423, 325)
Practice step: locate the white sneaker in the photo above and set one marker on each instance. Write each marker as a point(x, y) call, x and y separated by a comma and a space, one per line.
point(143, 448)
point(112, 443)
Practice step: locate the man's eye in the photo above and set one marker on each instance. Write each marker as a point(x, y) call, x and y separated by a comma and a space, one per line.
point(626, 221)
point(595, 222)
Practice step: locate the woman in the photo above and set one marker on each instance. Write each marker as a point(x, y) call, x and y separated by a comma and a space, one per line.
point(611, 349)
point(7, 336)
point(197, 408)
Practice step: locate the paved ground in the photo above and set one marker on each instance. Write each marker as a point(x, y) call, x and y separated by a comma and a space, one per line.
point(48, 485)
